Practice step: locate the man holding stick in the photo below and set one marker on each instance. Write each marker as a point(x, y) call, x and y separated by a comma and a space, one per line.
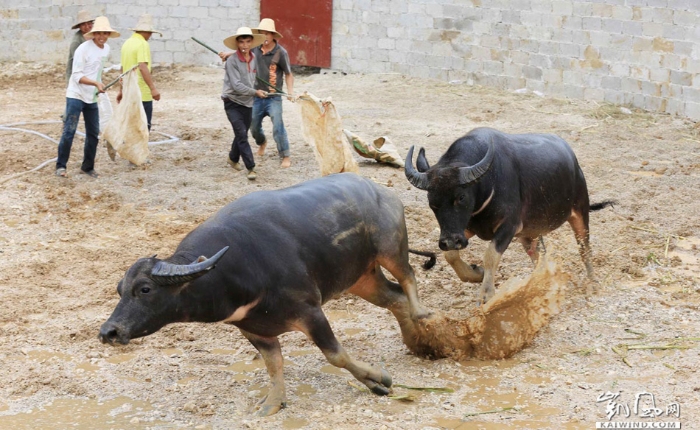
point(238, 93)
point(273, 64)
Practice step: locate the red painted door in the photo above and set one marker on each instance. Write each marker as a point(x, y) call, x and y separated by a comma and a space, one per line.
point(305, 26)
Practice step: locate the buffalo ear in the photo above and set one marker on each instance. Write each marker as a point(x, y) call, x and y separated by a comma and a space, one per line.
point(422, 162)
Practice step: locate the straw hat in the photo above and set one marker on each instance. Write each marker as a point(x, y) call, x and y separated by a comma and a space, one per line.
point(258, 39)
point(83, 17)
point(102, 24)
point(145, 24)
point(266, 24)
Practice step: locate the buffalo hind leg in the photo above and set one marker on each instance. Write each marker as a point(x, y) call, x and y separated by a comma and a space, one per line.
point(376, 289)
point(465, 272)
point(579, 224)
point(271, 352)
point(316, 327)
point(403, 272)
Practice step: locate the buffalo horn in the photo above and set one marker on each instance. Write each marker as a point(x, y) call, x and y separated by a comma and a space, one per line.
point(470, 174)
point(164, 273)
point(417, 179)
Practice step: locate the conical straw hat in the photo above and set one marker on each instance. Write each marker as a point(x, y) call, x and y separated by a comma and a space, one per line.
point(83, 16)
point(102, 24)
point(258, 39)
point(267, 24)
point(145, 24)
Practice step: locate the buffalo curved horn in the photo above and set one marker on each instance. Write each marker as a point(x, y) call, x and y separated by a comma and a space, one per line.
point(164, 273)
point(470, 174)
point(417, 179)
point(422, 162)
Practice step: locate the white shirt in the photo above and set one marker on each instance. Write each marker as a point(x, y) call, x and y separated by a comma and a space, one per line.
point(88, 61)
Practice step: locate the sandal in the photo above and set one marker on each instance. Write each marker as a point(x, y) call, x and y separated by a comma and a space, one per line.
point(61, 172)
point(92, 173)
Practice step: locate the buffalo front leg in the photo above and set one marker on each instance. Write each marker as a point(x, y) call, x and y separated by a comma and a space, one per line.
point(271, 352)
point(466, 272)
point(316, 327)
point(488, 286)
point(376, 289)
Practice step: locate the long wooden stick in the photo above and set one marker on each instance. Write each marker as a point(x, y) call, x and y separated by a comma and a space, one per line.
point(205, 45)
point(119, 77)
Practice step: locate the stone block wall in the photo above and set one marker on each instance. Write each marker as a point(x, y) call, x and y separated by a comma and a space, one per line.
point(643, 53)
point(39, 30)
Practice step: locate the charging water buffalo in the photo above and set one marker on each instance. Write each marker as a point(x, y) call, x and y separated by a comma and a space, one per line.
point(500, 186)
point(275, 258)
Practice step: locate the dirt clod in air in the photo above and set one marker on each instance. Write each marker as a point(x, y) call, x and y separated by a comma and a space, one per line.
point(503, 326)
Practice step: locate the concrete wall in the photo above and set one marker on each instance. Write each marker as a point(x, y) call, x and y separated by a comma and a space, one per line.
point(39, 30)
point(645, 53)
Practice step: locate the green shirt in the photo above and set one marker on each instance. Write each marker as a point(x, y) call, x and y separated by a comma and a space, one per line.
point(77, 40)
point(134, 51)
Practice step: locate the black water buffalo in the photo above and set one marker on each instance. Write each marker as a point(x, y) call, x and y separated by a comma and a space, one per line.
point(498, 186)
point(276, 257)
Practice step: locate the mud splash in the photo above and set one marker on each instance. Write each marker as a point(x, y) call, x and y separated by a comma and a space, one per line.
point(501, 327)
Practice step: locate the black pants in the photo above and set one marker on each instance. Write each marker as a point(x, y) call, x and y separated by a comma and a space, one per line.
point(148, 107)
point(240, 117)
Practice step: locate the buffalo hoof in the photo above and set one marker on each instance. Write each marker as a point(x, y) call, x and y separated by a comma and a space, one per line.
point(380, 388)
point(269, 406)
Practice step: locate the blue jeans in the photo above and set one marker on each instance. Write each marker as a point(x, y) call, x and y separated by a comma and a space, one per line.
point(91, 115)
point(272, 107)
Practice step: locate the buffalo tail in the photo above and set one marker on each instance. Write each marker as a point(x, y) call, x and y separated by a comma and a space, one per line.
point(428, 264)
point(603, 205)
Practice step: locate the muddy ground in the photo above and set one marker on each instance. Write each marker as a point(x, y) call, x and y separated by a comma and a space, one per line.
point(65, 243)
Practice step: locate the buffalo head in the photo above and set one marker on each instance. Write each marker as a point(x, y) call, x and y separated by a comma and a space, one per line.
point(451, 192)
point(150, 297)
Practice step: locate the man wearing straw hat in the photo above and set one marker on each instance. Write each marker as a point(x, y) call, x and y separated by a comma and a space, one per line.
point(84, 25)
point(273, 64)
point(136, 50)
point(238, 93)
point(81, 96)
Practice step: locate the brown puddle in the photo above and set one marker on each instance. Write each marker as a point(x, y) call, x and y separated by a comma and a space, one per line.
point(305, 390)
point(119, 413)
point(688, 251)
point(40, 355)
point(294, 423)
point(353, 331)
point(301, 352)
point(120, 358)
point(467, 424)
point(332, 370)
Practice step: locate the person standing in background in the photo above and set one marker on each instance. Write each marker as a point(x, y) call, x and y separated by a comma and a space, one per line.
point(273, 65)
point(238, 93)
point(84, 25)
point(81, 97)
point(137, 51)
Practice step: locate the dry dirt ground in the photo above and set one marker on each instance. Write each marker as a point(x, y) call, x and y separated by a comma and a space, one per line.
point(65, 243)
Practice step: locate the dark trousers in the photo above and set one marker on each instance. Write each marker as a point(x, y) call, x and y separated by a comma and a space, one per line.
point(148, 107)
point(91, 115)
point(240, 117)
